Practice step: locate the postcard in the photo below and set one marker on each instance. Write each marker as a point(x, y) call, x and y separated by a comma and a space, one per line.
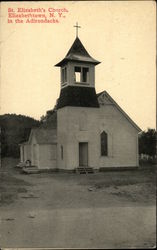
point(77, 119)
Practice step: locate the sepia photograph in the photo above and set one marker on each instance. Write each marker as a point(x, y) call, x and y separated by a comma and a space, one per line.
point(78, 136)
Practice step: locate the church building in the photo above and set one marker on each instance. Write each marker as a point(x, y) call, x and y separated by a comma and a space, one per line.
point(92, 131)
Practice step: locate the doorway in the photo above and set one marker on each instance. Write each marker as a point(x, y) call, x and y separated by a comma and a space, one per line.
point(83, 154)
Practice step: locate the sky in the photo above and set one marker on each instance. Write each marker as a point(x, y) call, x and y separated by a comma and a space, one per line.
point(119, 34)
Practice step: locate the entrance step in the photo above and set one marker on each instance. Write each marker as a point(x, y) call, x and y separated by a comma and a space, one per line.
point(30, 170)
point(84, 170)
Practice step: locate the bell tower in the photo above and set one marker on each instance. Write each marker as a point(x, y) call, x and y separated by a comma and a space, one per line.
point(77, 71)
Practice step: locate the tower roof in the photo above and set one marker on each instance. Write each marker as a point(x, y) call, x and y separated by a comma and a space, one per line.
point(77, 53)
point(78, 97)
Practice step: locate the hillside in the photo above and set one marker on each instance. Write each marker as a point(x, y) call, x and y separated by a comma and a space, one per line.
point(14, 130)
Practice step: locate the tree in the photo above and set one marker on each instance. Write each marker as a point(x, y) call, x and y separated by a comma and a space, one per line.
point(50, 119)
point(147, 142)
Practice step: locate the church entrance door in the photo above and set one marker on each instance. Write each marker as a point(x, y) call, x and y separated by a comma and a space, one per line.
point(83, 154)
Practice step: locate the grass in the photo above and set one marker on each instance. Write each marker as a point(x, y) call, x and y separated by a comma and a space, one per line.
point(122, 178)
point(10, 187)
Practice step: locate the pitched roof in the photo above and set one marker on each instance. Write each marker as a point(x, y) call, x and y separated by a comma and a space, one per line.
point(44, 135)
point(112, 101)
point(78, 52)
point(77, 97)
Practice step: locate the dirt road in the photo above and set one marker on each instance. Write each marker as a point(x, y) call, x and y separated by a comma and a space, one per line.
point(102, 210)
point(115, 227)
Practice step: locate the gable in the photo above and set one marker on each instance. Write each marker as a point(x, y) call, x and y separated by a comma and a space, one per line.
point(105, 99)
point(32, 139)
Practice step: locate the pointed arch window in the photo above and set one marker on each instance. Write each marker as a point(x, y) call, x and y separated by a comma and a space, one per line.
point(104, 143)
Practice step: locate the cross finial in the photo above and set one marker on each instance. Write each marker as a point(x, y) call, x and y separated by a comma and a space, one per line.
point(77, 26)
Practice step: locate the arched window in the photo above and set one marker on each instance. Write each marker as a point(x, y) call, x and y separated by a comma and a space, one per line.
point(104, 148)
